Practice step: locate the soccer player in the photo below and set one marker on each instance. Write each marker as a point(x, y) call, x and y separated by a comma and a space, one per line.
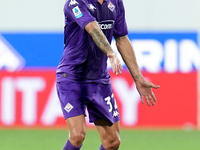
point(83, 80)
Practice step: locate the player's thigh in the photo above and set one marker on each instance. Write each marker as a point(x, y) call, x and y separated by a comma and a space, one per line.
point(70, 96)
point(103, 105)
point(76, 125)
point(107, 131)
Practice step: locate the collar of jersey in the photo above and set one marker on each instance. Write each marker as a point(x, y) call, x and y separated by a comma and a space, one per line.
point(98, 1)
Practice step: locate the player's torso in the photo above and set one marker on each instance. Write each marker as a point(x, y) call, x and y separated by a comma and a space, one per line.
point(105, 14)
point(81, 52)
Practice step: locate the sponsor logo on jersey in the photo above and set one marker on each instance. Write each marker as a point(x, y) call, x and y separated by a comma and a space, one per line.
point(106, 25)
point(111, 6)
point(73, 2)
point(77, 12)
point(68, 107)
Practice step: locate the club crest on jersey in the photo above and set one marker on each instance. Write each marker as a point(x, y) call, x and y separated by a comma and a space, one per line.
point(68, 107)
point(111, 6)
point(77, 12)
point(73, 2)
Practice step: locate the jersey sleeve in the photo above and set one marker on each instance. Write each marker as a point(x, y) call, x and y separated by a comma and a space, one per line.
point(77, 11)
point(120, 28)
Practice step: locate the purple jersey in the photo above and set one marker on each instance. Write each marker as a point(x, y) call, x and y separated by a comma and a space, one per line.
point(82, 60)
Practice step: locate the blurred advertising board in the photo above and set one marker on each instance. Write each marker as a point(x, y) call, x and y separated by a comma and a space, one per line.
point(27, 80)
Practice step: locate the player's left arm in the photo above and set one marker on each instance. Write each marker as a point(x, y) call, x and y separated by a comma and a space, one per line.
point(144, 87)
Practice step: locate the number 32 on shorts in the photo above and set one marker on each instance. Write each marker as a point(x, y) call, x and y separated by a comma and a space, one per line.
point(108, 100)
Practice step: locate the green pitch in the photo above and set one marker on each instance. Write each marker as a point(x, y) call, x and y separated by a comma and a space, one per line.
point(131, 140)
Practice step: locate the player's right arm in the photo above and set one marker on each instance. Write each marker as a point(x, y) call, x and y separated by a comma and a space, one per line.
point(101, 41)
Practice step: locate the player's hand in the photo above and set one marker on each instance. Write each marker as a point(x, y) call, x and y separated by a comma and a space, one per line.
point(145, 89)
point(115, 63)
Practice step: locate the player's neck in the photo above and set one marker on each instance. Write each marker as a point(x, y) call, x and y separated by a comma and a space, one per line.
point(101, 1)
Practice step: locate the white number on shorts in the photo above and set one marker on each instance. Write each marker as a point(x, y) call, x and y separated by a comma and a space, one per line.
point(107, 99)
point(114, 101)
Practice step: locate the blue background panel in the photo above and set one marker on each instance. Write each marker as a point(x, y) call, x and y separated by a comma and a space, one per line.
point(38, 49)
point(45, 49)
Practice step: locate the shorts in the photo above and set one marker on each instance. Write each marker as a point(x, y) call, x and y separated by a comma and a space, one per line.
point(98, 98)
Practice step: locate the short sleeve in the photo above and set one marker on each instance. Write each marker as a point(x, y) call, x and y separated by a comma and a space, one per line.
point(120, 28)
point(77, 11)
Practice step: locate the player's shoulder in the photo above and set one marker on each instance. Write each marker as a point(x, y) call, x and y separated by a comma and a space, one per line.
point(71, 4)
point(74, 2)
point(116, 2)
point(119, 1)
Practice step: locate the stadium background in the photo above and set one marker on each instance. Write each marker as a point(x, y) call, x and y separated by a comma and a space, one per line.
point(165, 35)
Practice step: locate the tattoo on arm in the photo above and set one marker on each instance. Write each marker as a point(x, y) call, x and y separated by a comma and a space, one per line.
point(101, 40)
point(136, 77)
point(119, 38)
